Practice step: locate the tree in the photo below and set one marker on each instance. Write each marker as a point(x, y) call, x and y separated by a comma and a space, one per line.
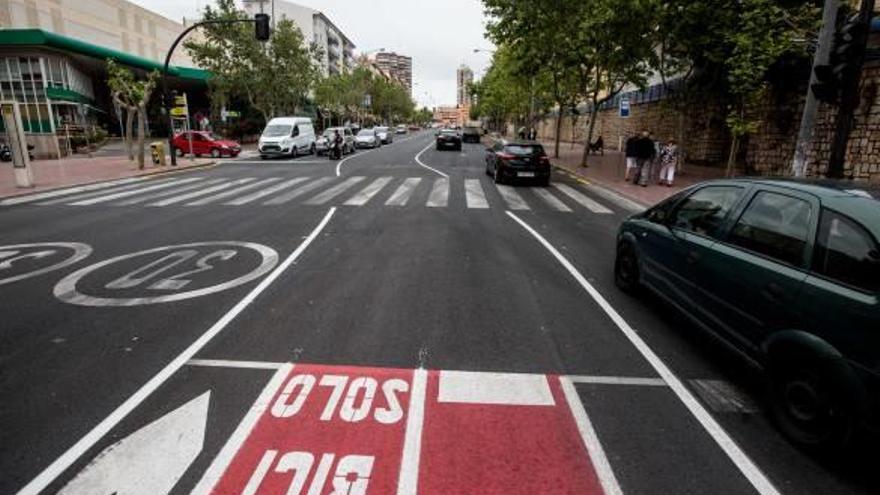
point(132, 96)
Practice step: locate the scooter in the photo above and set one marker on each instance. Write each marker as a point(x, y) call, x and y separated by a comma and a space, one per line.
point(335, 152)
point(5, 153)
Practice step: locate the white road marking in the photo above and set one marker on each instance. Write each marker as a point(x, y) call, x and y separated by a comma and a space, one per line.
point(79, 197)
point(234, 192)
point(165, 194)
point(299, 191)
point(408, 481)
point(439, 196)
point(236, 440)
point(85, 443)
point(266, 192)
point(723, 397)
point(581, 199)
point(69, 190)
point(334, 191)
point(186, 197)
point(125, 194)
point(420, 162)
point(514, 389)
point(367, 193)
point(404, 192)
point(353, 155)
point(598, 459)
point(742, 461)
point(474, 195)
point(550, 199)
point(151, 460)
point(625, 203)
point(512, 198)
point(225, 363)
point(79, 251)
point(617, 380)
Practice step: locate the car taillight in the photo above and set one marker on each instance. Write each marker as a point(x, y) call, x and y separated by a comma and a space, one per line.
point(505, 156)
point(545, 160)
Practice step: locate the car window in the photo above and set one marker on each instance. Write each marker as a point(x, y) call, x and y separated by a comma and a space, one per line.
point(525, 149)
point(847, 253)
point(659, 213)
point(704, 211)
point(774, 225)
point(366, 132)
point(276, 130)
point(295, 131)
point(497, 147)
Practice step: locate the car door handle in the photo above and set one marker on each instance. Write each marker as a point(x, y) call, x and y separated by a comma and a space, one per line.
point(772, 292)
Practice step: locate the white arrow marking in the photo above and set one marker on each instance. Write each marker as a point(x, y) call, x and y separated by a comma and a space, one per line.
point(151, 460)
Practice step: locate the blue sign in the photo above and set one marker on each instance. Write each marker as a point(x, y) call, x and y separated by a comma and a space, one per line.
point(624, 108)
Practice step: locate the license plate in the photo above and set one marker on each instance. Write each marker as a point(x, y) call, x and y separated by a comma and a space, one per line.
point(525, 174)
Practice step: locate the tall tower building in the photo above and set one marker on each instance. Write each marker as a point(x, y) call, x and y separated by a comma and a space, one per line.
point(464, 77)
point(399, 66)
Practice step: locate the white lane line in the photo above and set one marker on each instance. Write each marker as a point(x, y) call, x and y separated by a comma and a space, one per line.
point(125, 194)
point(236, 440)
point(226, 363)
point(367, 193)
point(408, 481)
point(617, 380)
point(581, 199)
point(70, 190)
point(80, 197)
point(265, 192)
point(439, 196)
point(171, 192)
point(625, 203)
point(512, 198)
point(232, 192)
point(354, 155)
point(335, 191)
point(404, 192)
point(551, 200)
point(190, 195)
point(742, 461)
point(479, 387)
point(420, 162)
point(299, 191)
point(474, 195)
point(85, 443)
point(610, 486)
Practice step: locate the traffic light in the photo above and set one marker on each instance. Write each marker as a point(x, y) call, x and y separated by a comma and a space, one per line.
point(844, 63)
point(261, 29)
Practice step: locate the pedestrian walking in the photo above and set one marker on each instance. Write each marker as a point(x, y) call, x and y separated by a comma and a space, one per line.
point(522, 133)
point(630, 153)
point(669, 160)
point(645, 155)
point(533, 134)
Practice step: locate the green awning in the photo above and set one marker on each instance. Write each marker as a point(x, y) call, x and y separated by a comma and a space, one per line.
point(66, 95)
point(39, 37)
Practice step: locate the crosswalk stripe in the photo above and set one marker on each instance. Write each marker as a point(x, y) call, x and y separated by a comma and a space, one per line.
point(266, 192)
point(30, 198)
point(439, 194)
point(186, 197)
point(170, 192)
point(513, 199)
point(234, 192)
point(299, 191)
point(368, 192)
point(334, 191)
point(474, 195)
point(404, 192)
point(125, 194)
point(80, 197)
point(580, 198)
point(550, 199)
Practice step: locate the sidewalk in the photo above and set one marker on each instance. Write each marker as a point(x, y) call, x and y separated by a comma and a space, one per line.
point(608, 170)
point(71, 171)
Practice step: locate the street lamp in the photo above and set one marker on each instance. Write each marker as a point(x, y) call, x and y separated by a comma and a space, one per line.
point(484, 50)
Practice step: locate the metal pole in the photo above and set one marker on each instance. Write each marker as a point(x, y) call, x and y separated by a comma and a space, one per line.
point(811, 105)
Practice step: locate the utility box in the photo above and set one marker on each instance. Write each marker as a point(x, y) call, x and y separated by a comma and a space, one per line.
point(157, 151)
point(21, 162)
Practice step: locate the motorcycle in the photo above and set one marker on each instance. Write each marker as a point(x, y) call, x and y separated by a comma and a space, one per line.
point(5, 153)
point(335, 152)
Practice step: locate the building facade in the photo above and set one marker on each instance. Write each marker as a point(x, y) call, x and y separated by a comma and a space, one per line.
point(337, 50)
point(447, 115)
point(464, 76)
point(398, 66)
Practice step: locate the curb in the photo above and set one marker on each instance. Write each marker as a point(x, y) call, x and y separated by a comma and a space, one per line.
point(147, 174)
point(621, 199)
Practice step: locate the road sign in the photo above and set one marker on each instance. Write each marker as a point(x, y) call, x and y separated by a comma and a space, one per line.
point(624, 108)
point(181, 106)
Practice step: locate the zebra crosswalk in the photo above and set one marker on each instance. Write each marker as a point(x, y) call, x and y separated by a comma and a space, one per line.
point(353, 191)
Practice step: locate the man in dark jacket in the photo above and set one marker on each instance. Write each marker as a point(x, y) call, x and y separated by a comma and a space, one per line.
point(645, 153)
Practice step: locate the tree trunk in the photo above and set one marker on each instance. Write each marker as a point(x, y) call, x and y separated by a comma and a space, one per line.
point(731, 159)
point(142, 116)
point(558, 132)
point(589, 138)
point(128, 133)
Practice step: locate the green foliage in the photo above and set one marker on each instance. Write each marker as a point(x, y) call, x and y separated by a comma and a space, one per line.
point(343, 95)
point(126, 88)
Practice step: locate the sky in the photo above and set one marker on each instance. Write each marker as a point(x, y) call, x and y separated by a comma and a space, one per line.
point(439, 35)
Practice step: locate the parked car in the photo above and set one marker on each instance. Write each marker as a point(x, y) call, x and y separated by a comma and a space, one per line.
point(510, 160)
point(414, 128)
point(401, 129)
point(287, 136)
point(322, 144)
point(205, 143)
point(788, 274)
point(368, 138)
point(385, 135)
point(448, 138)
point(470, 135)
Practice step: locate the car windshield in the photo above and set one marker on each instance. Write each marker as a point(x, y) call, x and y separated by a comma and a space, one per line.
point(471, 130)
point(381, 129)
point(366, 133)
point(277, 130)
point(332, 131)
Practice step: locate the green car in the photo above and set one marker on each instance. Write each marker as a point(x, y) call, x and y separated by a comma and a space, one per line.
point(788, 274)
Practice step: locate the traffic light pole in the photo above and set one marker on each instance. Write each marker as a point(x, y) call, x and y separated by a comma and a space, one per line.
point(849, 102)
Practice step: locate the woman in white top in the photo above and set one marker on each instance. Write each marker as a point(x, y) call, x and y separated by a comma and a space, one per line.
point(669, 157)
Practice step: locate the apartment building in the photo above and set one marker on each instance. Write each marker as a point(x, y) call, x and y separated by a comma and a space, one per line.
point(399, 66)
point(464, 76)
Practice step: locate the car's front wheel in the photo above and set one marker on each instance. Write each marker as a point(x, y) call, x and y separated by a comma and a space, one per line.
point(215, 153)
point(626, 268)
point(178, 151)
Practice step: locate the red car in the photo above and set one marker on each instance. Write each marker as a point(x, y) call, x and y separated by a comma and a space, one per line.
point(205, 143)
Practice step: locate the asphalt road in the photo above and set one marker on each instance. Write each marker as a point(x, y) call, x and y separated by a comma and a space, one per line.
point(393, 322)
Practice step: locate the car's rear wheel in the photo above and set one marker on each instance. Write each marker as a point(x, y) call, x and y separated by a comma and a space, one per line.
point(178, 152)
point(215, 153)
point(626, 268)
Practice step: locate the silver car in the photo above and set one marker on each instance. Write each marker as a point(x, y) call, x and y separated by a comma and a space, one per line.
point(322, 144)
point(385, 135)
point(368, 138)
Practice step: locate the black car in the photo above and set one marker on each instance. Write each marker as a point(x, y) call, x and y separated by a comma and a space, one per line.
point(448, 138)
point(470, 135)
point(510, 160)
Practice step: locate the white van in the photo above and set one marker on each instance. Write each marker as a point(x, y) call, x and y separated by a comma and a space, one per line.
point(287, 136)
